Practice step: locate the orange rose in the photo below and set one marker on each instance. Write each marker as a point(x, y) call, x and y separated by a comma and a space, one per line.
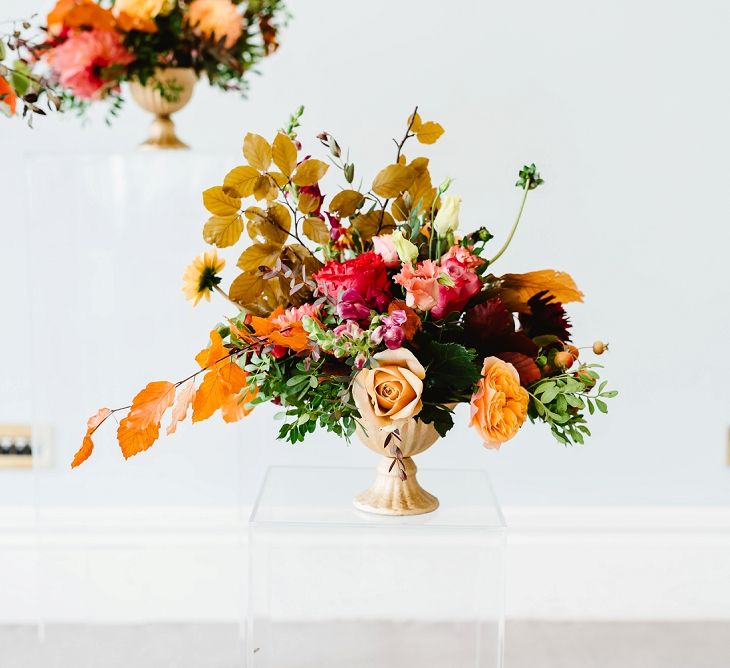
point(217, 19)
point(389, 394)
point(499, 406)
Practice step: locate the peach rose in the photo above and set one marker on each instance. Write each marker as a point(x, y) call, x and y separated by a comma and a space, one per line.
point(499, 406)
point(389, 394)
point(217, 19)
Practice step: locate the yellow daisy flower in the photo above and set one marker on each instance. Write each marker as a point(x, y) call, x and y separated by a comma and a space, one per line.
point(201, 276)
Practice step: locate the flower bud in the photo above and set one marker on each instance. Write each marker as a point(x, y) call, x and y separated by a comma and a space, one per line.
point(407, 251)
point(447, 218)
point(349, 172)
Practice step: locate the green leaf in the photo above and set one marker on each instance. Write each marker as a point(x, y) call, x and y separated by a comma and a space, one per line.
point(602, 406)
point(448, 365)
point(439, 416)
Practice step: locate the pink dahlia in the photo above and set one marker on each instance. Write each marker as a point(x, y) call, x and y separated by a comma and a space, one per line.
point(81, 60)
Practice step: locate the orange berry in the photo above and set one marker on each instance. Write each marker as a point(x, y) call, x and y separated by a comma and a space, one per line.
point(573, 351)
point(563, 360)
point(599, 347)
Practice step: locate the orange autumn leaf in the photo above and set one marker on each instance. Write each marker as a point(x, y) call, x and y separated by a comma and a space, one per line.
point(8, 95)
point(235, 406)
point(140, 429)
point(87, 445)
point(127, 23)
point(221, 382)
point(180, 411)
point(215, 352)
point(290, 335)
point(81, 13)
point(516, 289)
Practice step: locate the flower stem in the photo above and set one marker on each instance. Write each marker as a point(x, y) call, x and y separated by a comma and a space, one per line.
point(514, 225)
point(223, 294)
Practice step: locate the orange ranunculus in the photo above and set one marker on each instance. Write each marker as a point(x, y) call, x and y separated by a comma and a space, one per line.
point(284, 328)
point(218, 19)
point(7, 93)
point(499, 406)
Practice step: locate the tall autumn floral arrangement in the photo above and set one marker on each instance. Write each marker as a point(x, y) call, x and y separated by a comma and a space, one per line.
point(369, 304)
point(86, 49)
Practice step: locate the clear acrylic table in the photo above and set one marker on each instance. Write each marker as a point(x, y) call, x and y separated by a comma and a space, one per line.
point(331, 586)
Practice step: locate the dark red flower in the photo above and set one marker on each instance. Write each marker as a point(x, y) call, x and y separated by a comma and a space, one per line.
point(546, 317)
point(366, 274)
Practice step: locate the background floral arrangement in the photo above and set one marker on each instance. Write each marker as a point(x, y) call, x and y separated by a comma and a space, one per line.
point(87, 48)
point(369, 304)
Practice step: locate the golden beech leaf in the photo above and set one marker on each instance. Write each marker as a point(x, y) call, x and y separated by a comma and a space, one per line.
point(240, 181)
point(284, 151)
point(246, 287)
point(309, 172)
point(220, 204)
point(316, 230)
point(393, 180)
point(367, 224)
point(278, 222)
point(267, 300)
point(308, 202)
point(257, 151)
point(259, 255)
point(516, 289)
point(180, 410)
point(429, 132)
point(279, 179)
point(141, 427)
point(221, 382)
point(414, 122)
point(265, 188)
point(345, 203)
point(223, 231)
point(87, 445)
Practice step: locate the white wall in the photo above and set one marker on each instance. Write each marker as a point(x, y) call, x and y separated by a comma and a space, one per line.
point(624, 108)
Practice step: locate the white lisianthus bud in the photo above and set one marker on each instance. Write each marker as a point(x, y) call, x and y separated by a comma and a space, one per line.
point(447, 219)
point(407, 251)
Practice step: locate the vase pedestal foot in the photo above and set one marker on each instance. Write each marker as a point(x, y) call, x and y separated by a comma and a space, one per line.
point(389, 495)
point(162, 135)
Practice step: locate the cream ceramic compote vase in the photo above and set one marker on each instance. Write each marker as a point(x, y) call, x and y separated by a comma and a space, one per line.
point(179, 80)
point(389, 495)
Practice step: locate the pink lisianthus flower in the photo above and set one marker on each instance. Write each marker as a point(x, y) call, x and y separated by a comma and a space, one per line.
point(463, 256)
point(391, 331)
point(81, 60)
point(383, 245)
point(421, 284)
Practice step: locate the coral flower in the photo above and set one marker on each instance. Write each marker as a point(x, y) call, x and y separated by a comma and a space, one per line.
point(217, 19)
point(201, 276)
point(421, 284)
point(499, 406)
point(81, 60)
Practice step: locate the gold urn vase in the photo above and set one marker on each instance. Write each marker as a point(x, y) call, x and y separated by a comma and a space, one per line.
point(396, 490)
point(177, 84)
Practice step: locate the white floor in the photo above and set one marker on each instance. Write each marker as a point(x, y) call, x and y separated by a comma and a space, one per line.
point(529, 645)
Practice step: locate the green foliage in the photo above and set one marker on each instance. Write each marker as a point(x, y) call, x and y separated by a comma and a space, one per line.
point(529, 177)
point(312, 394)
point(451, 370)
point(560, 401)
point(440, 416)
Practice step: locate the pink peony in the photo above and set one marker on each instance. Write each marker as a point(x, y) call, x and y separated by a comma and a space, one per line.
point(81, 60)
point(383, 245)
point(421, 284)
